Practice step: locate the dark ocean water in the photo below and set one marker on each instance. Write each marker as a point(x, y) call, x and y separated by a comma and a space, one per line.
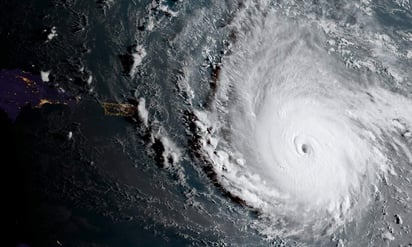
point(83, 178)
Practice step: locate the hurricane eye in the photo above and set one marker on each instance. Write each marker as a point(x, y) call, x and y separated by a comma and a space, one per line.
point(305, 148)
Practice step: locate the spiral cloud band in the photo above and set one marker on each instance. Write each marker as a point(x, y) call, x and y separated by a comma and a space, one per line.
point(296, 134)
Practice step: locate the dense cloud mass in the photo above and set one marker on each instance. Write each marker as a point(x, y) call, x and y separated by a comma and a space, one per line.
point(299, 135)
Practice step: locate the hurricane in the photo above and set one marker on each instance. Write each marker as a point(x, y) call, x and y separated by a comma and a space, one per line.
point(282, 123)
point(305, 126)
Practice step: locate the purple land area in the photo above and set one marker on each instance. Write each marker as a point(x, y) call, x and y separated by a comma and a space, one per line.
point(19, 89)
